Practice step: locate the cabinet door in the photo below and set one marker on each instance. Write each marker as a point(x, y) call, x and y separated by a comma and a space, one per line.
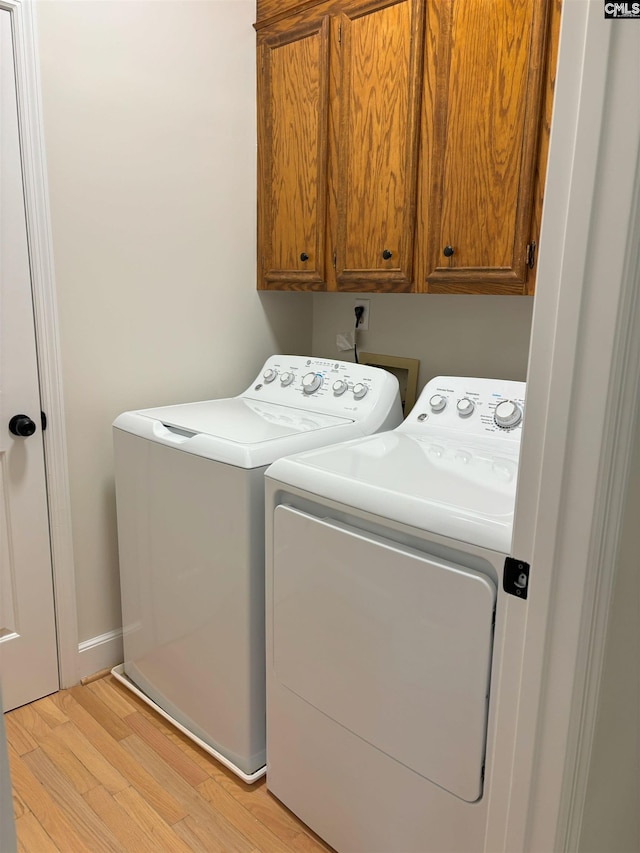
point(486, 76)
point(293, 68)
point(381, 48)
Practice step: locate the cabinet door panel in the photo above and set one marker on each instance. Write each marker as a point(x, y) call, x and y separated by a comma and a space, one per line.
point(488, 76)
point(381, 54)
point(293, 96)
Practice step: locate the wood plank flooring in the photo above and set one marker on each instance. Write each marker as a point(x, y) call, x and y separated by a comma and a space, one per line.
point(94, 769)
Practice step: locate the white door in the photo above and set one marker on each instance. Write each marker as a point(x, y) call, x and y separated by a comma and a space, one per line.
point(28, 652)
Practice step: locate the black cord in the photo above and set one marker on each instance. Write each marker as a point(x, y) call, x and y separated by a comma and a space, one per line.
point(359, 311)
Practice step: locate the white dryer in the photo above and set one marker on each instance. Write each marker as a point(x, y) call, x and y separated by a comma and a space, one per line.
point(384, 563)
point(190, 507)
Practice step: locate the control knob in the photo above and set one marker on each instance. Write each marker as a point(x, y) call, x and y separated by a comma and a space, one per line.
point(438, 403)
point(286, 378)
point(507, 414)
point(465, 407)
point(360, 390)
point(311, 382)
point(339, 387)
point(269, 375)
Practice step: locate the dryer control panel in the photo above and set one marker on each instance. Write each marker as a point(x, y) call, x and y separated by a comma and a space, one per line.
point(469, 406)
point(323, 385)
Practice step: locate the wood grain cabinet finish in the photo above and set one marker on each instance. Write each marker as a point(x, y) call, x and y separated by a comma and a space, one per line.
point(402, 143)
point(293, 91)
point(377, 145)
point(338, 124)
point(487, 74)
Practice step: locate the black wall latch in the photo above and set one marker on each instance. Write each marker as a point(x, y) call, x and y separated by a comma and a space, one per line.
point(43, 421)
point(515, 580)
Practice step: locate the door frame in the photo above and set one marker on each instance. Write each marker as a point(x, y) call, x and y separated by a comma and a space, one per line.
point(582, 405)
point(39, 237)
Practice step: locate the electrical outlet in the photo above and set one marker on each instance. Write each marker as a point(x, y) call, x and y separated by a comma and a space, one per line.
point(363, 325)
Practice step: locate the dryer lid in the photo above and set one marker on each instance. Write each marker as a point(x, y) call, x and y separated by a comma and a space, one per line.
point(464, 490)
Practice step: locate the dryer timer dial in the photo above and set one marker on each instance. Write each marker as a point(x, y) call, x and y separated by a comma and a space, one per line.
point(507, 414)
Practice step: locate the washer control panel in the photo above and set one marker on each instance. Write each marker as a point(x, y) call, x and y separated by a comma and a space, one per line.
point(470, 406)
point(334, 387)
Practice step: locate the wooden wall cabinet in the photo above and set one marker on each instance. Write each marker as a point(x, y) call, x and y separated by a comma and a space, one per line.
point(293, 91)
point(400, 144)
point(376, 150)
point(480, 141)
point(338, 124)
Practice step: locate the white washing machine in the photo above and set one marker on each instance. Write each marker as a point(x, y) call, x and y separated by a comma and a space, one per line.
point(190, 505)
point(385, 560)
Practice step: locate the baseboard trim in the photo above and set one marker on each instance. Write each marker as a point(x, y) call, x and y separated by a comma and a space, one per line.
point(100, 653)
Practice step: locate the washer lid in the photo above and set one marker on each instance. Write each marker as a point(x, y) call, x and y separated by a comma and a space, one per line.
point(465, 491)
point(241, 420)
point(237, 431)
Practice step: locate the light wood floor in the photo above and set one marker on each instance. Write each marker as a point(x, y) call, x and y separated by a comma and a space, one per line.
point(94, 769)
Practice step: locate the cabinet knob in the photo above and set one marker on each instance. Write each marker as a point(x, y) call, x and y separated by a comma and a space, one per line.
point(447, 251)
point(386, 254)
point(304, 256)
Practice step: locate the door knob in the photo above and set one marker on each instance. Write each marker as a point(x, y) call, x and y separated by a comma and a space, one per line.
point(22, 425)
point(447, 251)
point(386, 254)
point(304, 256)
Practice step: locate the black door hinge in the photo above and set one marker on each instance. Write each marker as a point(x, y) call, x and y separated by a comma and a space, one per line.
point(335, 260)
point(339, 33)
point(43, 421)
point(530, 257)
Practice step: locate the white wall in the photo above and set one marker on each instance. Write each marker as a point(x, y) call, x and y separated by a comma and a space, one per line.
point(451, 335)
point(611, 819)
point(149, 121)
